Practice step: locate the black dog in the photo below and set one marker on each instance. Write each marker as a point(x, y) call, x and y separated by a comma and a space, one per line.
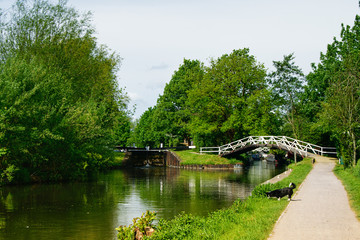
point(279, 193)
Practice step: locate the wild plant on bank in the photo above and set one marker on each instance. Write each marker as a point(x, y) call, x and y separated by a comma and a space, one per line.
point(141, 227)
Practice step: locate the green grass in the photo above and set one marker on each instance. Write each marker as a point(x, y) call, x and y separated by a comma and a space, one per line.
point(350, 178)
point(189, 157)
point(253, 218)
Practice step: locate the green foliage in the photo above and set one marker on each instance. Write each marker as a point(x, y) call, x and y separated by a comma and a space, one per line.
point(219, 103)
point(115, 162)
point(144, 131)
point(60, 108)
point(167, 122)
point(139, 224)
point(211, 105)
point(338, 73)
point(125, 233)
point(287, 84)
point(172, 113)
point(231, 99)
point(181, 227)
point(8, 175)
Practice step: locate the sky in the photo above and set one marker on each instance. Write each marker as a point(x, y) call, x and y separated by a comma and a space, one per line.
point(153, 37)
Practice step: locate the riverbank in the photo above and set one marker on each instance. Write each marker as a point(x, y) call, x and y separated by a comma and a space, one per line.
point(253, 218)
point(188, 159)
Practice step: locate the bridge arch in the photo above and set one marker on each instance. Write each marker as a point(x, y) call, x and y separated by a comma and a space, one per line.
point(281, 142)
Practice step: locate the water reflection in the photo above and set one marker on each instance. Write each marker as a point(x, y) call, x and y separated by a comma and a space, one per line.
point(93, 210)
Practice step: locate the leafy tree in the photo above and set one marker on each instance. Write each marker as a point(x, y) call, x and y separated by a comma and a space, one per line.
point(213, 105)
point(315, 130)
point(333, 91)
point(144, 133)
point(342, 99)
point(121, 129)
point(219, 101)
point(260, 115)
point(172, 114)
point(61, 107)
point(343, 107)
point(168, 121)
point(287, 85)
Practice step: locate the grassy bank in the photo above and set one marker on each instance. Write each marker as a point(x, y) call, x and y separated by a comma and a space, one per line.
point(189, 157)
point(351, 180)
point(253, 218)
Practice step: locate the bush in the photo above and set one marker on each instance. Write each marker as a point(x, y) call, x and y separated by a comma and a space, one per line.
point(182, 226)
point(8, 175)
point(61, 110)
point(141, 227)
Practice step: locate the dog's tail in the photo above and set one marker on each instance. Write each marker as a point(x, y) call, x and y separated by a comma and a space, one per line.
point(292, 185)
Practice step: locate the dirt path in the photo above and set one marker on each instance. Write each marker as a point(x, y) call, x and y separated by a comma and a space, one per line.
point(319, 210)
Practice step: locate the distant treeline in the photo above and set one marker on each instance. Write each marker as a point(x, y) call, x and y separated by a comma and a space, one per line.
point(235, 96)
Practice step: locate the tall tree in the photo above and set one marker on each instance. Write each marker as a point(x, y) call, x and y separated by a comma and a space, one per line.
point(168, 121)
point(287, 83)
point(343, 106)
point(145, 135)
point(62, 101)
point(218, 102)
point(342, 99)
point(172, 113)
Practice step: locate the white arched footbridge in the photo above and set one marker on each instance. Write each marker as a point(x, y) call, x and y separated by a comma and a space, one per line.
point(280, 142)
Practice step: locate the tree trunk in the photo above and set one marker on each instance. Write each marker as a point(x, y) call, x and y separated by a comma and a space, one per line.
point(354, 148)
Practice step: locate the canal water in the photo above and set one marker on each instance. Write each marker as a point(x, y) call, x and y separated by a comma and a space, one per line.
point(93, 210)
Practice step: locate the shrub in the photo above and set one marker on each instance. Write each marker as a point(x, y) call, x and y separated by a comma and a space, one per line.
point(8, 175)
point(141, 226)
point(183, 225)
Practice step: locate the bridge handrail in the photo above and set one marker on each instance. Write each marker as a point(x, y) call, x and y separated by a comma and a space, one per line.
point(293, 139)
point(289, 143)
point(209, 149)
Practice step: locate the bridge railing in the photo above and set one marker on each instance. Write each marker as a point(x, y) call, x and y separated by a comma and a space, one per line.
point(283, 142)
point(301, 147)
point(329, 150)
point(210, 150)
